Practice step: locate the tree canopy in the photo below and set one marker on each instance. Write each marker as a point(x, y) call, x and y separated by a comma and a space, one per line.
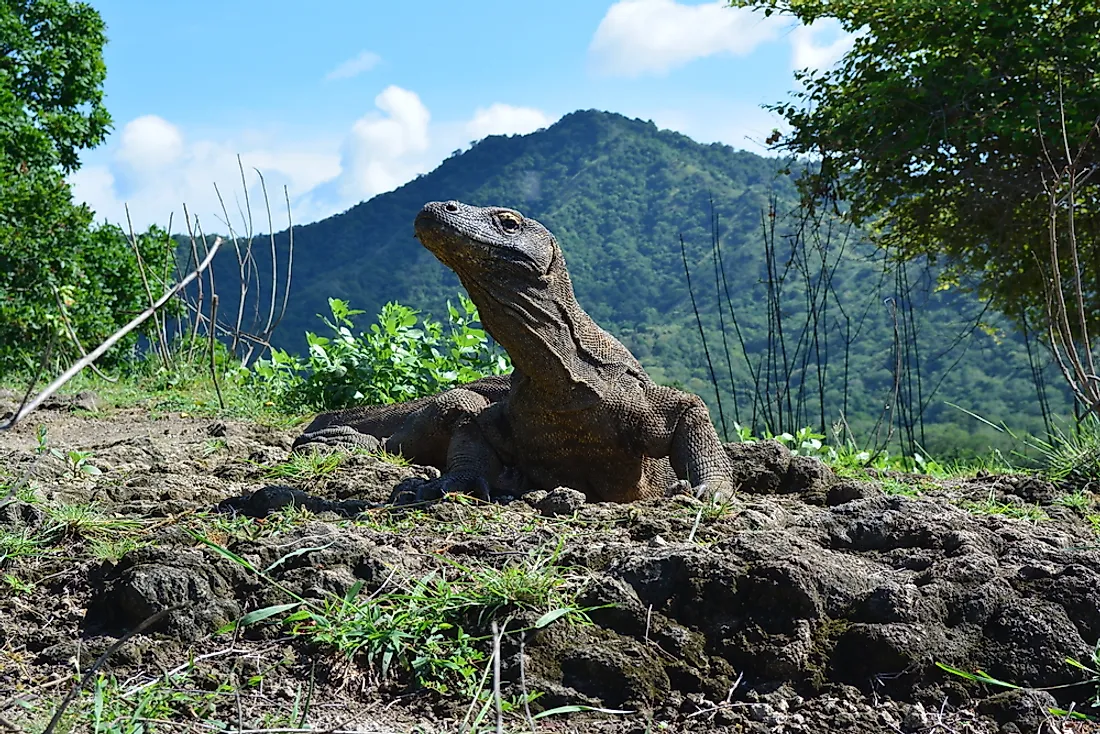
point(59, 275)
point(947, 125)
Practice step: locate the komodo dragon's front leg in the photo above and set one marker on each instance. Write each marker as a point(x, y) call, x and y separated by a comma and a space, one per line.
point(473, 463)
point(687, 437)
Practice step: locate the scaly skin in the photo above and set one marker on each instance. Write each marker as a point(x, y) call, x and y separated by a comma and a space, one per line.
point(579, 410)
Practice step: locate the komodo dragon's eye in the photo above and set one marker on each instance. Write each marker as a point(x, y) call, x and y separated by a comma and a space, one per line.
point(508, 221)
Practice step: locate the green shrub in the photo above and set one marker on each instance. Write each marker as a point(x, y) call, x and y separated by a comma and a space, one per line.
point(55, 266)
point(402, 356)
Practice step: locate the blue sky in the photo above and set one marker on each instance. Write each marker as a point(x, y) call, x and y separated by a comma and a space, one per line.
point(343, 100)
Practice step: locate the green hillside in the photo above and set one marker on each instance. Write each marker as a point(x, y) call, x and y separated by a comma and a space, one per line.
point(619, 193)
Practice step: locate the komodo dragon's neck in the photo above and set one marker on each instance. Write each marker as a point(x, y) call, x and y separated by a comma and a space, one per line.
point(549, 337)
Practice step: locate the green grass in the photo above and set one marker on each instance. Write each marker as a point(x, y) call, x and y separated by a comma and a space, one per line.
point(185, 389)
point(417, 628)
point(1072, 457)
point(308, 465)
point(896, 487)
point(22, 543)
point(1090, 669)
point(91, 522)
point(1079, 501)
point(991, 506)
point(388, 458)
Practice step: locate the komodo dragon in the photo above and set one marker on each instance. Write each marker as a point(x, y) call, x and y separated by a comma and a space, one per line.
point(577, 411)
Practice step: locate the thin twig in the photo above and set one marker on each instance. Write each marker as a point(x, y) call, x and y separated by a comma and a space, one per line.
point(165, 357)
point(110, 342)
point(695, 526)
point(213, 344)
point(523, 685)
point(73, 337)
point(497, 634)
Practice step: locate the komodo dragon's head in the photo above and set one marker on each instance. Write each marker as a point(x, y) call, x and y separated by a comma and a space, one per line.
point(515, 273)
point(492, 246)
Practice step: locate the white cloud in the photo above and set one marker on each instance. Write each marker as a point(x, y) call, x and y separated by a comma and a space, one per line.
point(808, 51)
point(364, 62)
point(504, 119)
point(382, 150)
point(165, 182)
point(149, 143)
point(654, 36)
point(155, 168)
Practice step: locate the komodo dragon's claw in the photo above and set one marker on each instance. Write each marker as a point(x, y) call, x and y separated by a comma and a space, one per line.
point(700, 491)
point(471, 484)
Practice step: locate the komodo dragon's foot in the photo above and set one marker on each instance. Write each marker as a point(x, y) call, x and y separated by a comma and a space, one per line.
point(471, 484)
point(338, 437)
point(716, 491)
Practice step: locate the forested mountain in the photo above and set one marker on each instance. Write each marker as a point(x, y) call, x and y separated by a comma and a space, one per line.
point(818, 311)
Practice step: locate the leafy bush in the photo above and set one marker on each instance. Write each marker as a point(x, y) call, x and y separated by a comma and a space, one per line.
point(402, 356)
point(55, 266)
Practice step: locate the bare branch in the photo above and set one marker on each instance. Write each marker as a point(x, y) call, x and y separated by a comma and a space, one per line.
point(110, 341)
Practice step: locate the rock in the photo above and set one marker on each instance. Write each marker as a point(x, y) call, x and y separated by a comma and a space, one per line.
point(849, 490)
point(759, 467)
point(83, 400)
point(810, 477)
point(16, 515)
point(87, 400)
point(561, 501)
point(1028, 710)
point(151, 580)
point(534, 497)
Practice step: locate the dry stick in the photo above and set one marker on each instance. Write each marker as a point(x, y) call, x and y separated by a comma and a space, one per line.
point(110, 342)
point(716, 253)
point(197, 308)
point(274, 260)
point(72, 334)
point(888, 408)
point(102, 659)
point(199, 317)
point(148, 291)
point(1072, 196)
point(180, 668)
point(171, 245)
point(769, 355)
point(737, 331)
point(240, 268)
point(213, 343)
point(1059, 319)
point(289, 261)
point(695, 525)
point(34, 380)
point(523, 684)
point(702, 336)
point(1057, 312)
point(497, 634)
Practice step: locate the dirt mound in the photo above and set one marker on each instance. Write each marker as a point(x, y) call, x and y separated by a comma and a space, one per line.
point(812, 603)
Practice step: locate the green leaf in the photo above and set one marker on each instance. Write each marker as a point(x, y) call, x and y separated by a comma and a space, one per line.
point(259, 615)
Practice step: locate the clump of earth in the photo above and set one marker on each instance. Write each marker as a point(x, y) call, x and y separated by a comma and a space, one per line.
point(811, 603)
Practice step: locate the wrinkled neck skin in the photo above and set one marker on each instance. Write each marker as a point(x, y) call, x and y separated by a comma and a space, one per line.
point(538, 322)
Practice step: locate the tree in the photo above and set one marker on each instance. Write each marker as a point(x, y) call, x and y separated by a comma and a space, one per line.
point(946, 128)
point(59, 275)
